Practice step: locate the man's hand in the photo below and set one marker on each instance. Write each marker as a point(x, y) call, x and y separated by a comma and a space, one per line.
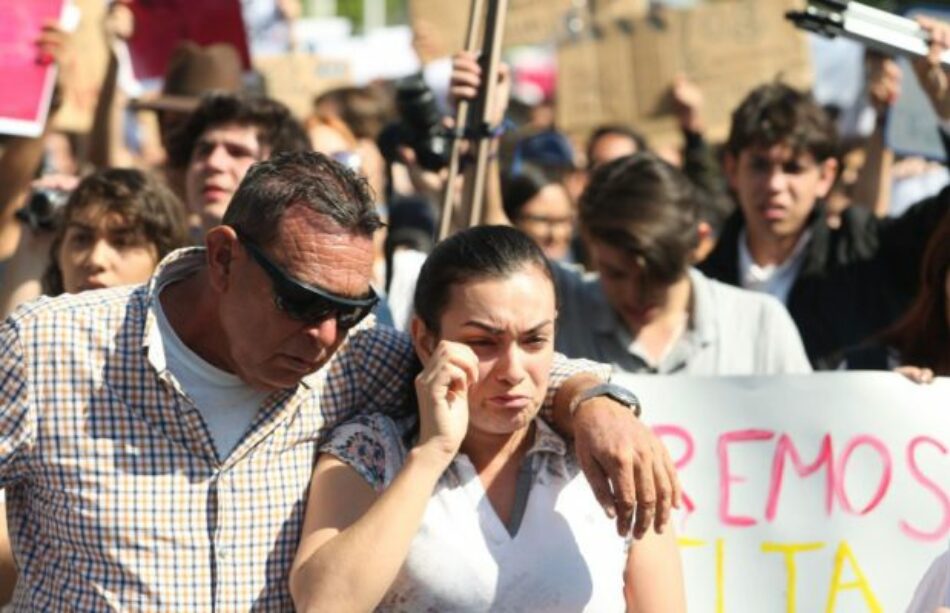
point(932, 76)
point(52, 44)
point(916, 374)
point(883, 81)
point(688, 103)
point(627, 466)
point(119, 21)
point(467, 79)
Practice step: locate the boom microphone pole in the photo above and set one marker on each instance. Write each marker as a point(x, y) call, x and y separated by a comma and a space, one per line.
point(885, 32)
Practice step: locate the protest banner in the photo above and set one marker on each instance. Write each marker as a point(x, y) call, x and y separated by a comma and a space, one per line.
point(296, 78)
point(828, 492)
point(27, 85)
point(726, 48)
point(161, 24)
point(444, 24)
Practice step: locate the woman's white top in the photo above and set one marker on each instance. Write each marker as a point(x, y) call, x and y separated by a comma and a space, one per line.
point(566, 555)
point(933, 591)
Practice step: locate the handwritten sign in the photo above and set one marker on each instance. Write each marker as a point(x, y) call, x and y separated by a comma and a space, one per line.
point(828, 492)
point(726, 48)
point(444, 24)
point(608, 10)
point(296, 78)
point(26, 85)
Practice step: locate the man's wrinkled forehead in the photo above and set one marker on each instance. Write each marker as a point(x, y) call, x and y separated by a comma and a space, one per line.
point(310, 233)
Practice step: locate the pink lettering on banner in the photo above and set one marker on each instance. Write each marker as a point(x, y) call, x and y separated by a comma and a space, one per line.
point(683, 460)
point(941, 531)
point(726, 479)
point(842, 469)
point(786, 448)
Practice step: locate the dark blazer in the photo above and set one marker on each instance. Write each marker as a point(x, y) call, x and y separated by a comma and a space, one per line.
point(855, 280)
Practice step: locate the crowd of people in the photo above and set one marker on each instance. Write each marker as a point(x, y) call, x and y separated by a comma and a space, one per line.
point(240, 373)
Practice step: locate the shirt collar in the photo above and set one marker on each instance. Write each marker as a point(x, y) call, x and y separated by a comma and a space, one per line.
point(753, 275)
point(175, 266)
point(547, 440)
point(605, 319)
point(701, 323)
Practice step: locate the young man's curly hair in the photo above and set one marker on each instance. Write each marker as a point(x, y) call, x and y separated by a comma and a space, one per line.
point(776, 113)
point(277, 129)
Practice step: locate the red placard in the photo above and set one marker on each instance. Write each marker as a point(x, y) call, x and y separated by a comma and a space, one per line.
point(26, 86)
point(161, 24)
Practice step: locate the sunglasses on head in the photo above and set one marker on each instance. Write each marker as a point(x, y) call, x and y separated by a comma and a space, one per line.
point(309, 303)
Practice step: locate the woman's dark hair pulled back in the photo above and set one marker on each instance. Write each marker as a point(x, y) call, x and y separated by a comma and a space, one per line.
point(483, 252)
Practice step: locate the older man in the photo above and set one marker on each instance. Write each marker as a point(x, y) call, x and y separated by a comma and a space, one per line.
point(156, 442)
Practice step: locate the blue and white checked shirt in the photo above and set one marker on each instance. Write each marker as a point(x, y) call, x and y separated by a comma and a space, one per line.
point(116, 498)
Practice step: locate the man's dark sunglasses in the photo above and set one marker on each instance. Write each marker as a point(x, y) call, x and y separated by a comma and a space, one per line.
point(309, 303)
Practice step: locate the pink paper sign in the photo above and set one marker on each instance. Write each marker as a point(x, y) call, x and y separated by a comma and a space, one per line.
point(26, 86)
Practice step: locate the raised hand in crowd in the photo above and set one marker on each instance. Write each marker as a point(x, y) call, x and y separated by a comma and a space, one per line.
point(464, 85)
point(119, 20)
point(466, 80)
point(872, 186)
point(688, 101)
point(22, 156)
point(883, 81)
point(932, 75)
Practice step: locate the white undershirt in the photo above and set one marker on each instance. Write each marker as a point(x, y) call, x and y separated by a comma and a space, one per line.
point(406, 266)
point(227, 404)
point(773, 279)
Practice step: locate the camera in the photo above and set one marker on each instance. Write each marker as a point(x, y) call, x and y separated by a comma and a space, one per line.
point(42, 207)
point(420, 126)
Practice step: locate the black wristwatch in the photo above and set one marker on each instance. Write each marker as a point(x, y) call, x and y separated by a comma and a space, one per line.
point(616, 392)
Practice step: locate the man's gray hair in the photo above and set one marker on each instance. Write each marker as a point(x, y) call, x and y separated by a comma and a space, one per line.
point(300, 178)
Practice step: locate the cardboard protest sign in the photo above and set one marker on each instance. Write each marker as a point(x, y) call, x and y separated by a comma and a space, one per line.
point(828, 492)
point(535, 21)
point(27, 86)
point(296, 79)
point(444, 24)
point(726, 48)
point(161, 24)
point(606, 11)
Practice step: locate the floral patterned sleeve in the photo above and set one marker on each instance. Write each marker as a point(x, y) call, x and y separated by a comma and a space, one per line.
point(372, 445)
